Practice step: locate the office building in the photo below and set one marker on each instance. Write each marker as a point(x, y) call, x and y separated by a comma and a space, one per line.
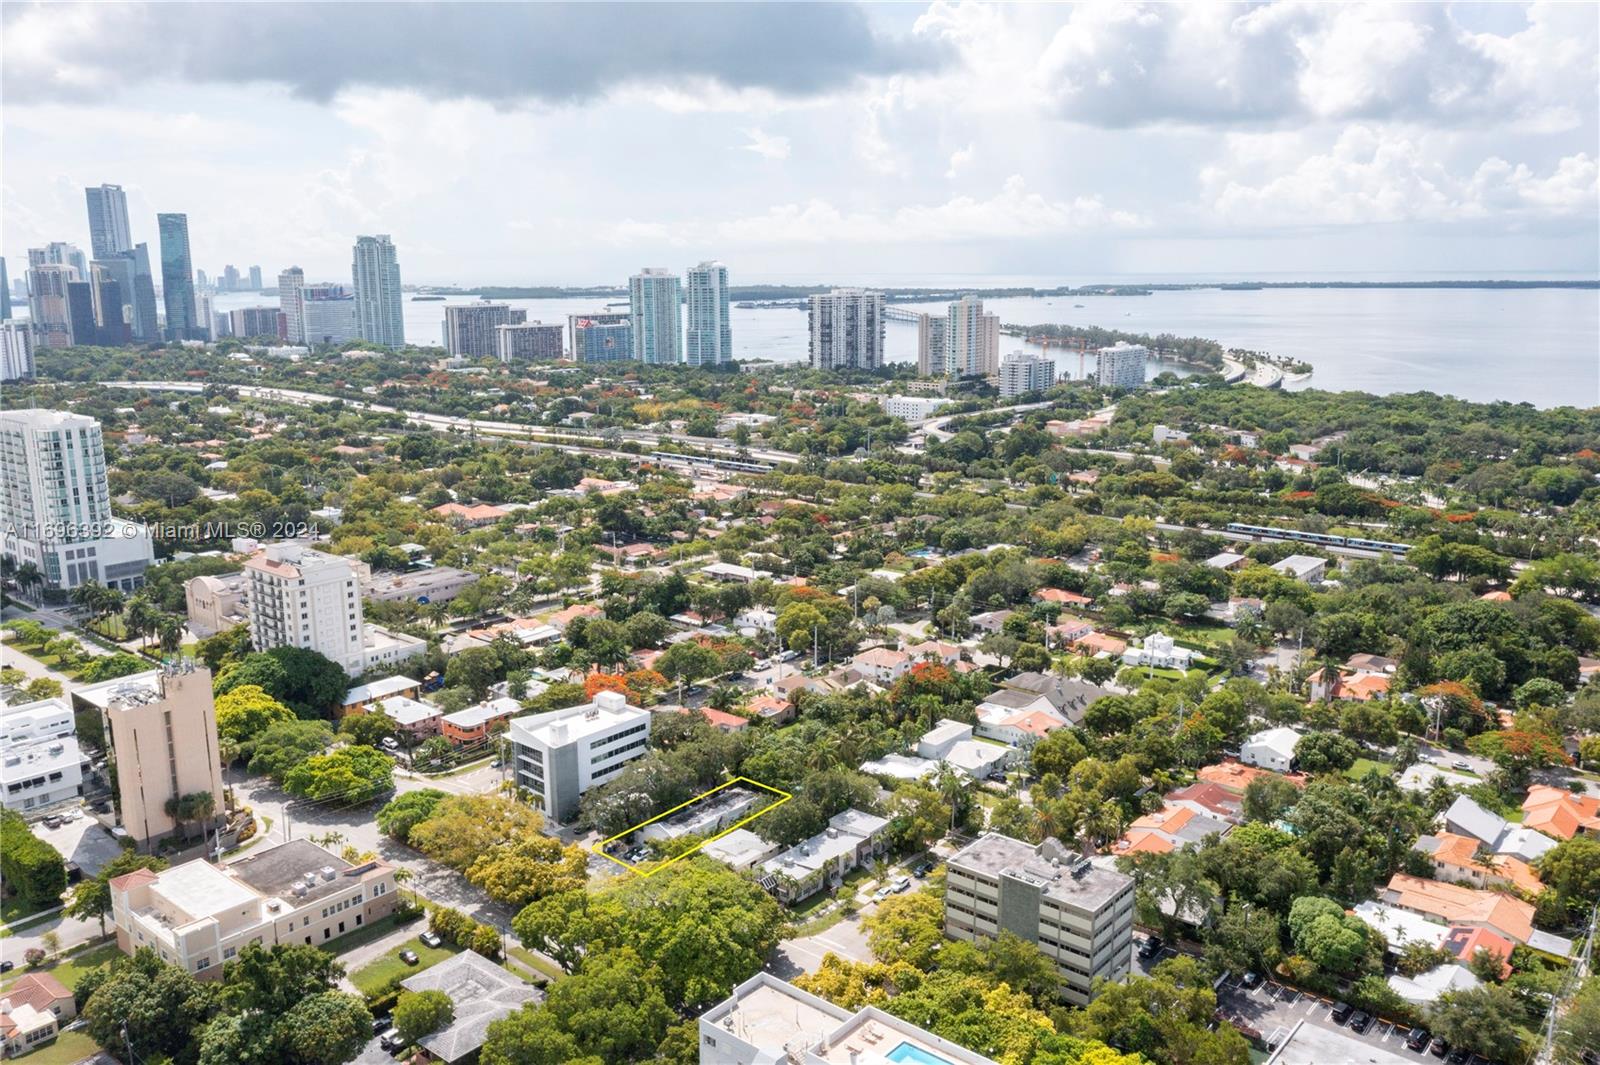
point(255, 279)
point(108, 221)
point(299, 597)
point(109, 300)
point(328, 315)
point(16, 349)
point(131, 271)
point(469, 328)
point(931, 344)
point(913, 410)
point(177, 279)
point(708, 337)
point(198, 915)
point(603, 336)
point(5, 291)
point(654, 298)
point(972, 339)
point(1079, 914)
point(1021, 373)
point(55, 506)
point(376, 274)
point(161, 731)
point(847, 330)
point(767, 1021)
point(528, 341)
point(42, 766)
point(82, 328)
point(47, 303)
point(230, 279)
point(291, 295)
point(60, 253)
point(1121, 365)
point(560, 755)
point(248, 322)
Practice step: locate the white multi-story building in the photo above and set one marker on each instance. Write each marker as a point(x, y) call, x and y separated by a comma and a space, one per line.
point(529, 342)
point(198, 916)
point(972, 339)
point(470, 328)
point(108, 220)
point(562, 754)
point(1122, 365)
point(708, 337)
point(304, 598)
point(847, 327)
point(55, 506)
point(41, 765)
point(328, 314)
point(913, 410)
point(1080, 915)
point(291, 301)
point(655, 303)
point(930, 344)
point(375, 271)
point(16, 349)
point(1021, 373)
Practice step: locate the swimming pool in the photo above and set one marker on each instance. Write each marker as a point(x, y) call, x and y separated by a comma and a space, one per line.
point(911, 1054)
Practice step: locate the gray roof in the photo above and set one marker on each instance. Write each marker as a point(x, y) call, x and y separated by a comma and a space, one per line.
point(276, 870)
point(1470, 819)
point(1050, 865)
point(481, 992)
point(1067, 694)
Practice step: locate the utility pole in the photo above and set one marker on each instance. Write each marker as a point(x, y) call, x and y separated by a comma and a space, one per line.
point(816, 653)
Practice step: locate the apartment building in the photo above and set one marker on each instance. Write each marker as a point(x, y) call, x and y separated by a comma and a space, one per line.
point(41, 765)
point(1121, 365)
point(470, 328)
point(199, 916)
point(1079, 914)
point(655, 299)
point(851, 839)
point(847, 329)
point(161, 729)
point(767, 1020)
point(55, 503)
point(529, 342)
point(299, 597)
point(560, 755)
point(1021, 373)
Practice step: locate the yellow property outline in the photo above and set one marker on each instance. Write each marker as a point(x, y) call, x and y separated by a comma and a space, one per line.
point(599, 848)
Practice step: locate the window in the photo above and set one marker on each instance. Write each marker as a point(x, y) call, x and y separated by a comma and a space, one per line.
point(228, 952)
point(202, 964)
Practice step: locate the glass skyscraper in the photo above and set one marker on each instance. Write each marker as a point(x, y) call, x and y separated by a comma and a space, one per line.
point(376, 273)
point(177, 277)
point(654, 301)
point(108, 221)
point(708, 338)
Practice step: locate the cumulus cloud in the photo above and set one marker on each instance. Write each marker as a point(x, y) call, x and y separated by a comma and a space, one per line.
point(503, 53)
point(766, 145)
point(1125, 65)
point(1373, 176)
point(960, 158)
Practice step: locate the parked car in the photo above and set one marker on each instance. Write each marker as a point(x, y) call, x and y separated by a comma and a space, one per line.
point(1150, 947)
point(1360, 1021)
point(1458, 1056)
point(53, 821)
point(1438, 1048)
point(1342, 1012)
point(922, 870)
point(7, 966)
point(1418, 1039)
point(392, 1040)
point(390, 743)
point(409, 957)
point(381, 1024)
point(431, 939)
point(1461, 763)
point(1251, 981)
point(901, 884)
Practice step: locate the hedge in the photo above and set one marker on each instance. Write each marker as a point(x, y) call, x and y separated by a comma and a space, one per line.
point(32, 869)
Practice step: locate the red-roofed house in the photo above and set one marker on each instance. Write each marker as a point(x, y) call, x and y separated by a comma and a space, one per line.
point(1464, 942)
point(475, 515)
point(719, 719)
point(1062, 596)
point(771, 708)
point(1558, 812)
point(32, 1011)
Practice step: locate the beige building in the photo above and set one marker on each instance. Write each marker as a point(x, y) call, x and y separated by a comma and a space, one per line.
point(1079, 914)
point(215, 603)
point(199, 915)
point(161, 729)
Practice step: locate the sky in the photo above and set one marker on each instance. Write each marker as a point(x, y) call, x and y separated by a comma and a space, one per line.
point(573, 144)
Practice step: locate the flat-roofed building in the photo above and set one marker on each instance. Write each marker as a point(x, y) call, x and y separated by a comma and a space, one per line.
point(1081, 916)
point(40, 763)
point(161, 730)
point(215, 603)
point(199, 916)
point(417, 720)
point(767, 1021)
point(851, 839)
point(476, 722)
point(360, 698)
point(560, 755)
point(707, 816)
point(436, 584)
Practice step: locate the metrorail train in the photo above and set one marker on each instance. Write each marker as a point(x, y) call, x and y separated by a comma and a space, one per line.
point(736, 465)
point(1270, 532)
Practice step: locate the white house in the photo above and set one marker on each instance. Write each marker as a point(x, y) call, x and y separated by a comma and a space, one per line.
point(883, 664)
point(1160, 652)
point(1272, 749)
point(1307, 568)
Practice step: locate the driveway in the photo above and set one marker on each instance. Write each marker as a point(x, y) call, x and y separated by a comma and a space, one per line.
point(83, 840)
point(804, 955)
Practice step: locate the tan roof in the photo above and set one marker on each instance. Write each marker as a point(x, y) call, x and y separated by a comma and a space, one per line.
point(38, 990)
point(1558, 812)
point(1455, 904)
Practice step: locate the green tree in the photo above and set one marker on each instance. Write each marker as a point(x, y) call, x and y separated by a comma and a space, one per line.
point(420, 1013)
point(325, 1029)
point(285, 745)
point(368, 730)
point(1164, 1017)
point(33, 870)
point(91, 897)
point(1578, 1031)
point(530, 1036)
point(246, 711)
point(614, 1007)
point(404, 812)
point(307, 682)
point(906, 928)
point(352, 774)
point(160, 1007)
point(1485, 1019)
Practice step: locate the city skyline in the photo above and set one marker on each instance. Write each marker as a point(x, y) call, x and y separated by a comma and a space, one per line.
point(937, 141)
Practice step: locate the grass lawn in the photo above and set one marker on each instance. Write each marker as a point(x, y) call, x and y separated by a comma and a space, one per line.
point(373, 978)
point(365, 934)
point(1205, 635)
point(70, 969)
point(14, 910)
point(1362, 766)
point(67, 1049)
point(534, 962)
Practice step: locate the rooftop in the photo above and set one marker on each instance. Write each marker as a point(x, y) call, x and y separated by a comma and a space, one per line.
point(1062, 874)
point(407, 711)
point(1313, 1044)
point(772, 1014)
point(481, 992)
point(276, 871)
point(378, 689)
point(561, 727)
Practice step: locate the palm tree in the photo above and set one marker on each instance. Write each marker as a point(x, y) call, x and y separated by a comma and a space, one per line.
point(951, 786)
point(28, 576)
point(824, 752)
point(169, 632)
point(402, 875)
point(142, 617)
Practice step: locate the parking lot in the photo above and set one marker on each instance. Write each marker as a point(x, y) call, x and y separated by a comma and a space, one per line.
point(81, 839)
